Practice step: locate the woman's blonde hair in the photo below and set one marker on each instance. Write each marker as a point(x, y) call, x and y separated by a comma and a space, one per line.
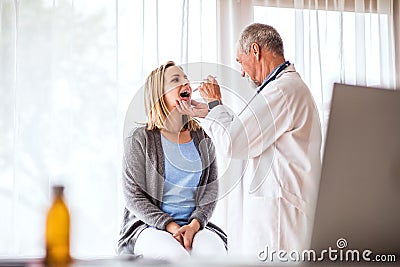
point(156, 108)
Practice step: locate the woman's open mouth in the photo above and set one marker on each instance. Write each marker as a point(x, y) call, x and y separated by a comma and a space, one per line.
point(185, 95)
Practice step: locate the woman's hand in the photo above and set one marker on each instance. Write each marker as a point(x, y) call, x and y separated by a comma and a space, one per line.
point(209, 91)
point(188, 232)
point(173, 228)
point(192, 108)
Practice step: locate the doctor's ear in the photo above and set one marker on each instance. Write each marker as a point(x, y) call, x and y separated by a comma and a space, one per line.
point(255, 50)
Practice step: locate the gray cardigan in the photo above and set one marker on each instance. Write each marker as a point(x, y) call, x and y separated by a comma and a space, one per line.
point(143, 183)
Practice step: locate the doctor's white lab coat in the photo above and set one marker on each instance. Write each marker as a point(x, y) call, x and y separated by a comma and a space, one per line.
point(274, 170)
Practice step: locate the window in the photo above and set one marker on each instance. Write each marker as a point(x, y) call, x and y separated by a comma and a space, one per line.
point(330, 46)
point(69, 70)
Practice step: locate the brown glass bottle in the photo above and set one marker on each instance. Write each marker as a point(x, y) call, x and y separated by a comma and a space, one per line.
point(58, 230)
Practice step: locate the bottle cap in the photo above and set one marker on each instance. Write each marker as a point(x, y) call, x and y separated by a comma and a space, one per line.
point(58, 190)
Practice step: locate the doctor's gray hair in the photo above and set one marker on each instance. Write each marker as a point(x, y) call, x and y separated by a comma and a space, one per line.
point(264, 35)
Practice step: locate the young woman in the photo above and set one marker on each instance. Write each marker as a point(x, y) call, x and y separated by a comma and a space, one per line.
point(170, 178)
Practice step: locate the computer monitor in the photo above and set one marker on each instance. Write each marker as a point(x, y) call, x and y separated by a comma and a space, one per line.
point(358, 204)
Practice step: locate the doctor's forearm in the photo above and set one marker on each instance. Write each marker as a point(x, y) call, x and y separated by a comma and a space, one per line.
point(231, 138)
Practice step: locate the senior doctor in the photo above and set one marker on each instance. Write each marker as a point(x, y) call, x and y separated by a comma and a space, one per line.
point(279, 135)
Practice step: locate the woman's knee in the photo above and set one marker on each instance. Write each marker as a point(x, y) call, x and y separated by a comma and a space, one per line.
point(158, 244)
point(206, 243)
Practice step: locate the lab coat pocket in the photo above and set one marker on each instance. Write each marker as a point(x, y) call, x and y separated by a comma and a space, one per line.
point(260, 215)
point(296, 223)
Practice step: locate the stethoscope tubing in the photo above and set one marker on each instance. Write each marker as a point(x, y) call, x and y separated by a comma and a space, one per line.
point(272, 76)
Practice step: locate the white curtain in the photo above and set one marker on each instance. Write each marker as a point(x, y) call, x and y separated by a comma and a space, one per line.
point(60, 121)
point(343, 41)
point(396, 30)
point(69, 69)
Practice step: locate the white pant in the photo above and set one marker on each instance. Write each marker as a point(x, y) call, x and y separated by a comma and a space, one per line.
point(161, 245)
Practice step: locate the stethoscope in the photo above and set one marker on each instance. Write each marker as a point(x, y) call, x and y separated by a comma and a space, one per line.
point(272, 76)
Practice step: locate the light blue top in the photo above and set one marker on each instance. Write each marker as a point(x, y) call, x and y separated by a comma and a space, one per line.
point(183, 169)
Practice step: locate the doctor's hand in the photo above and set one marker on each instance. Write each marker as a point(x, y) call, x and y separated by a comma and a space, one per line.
point(192, 108)
point(209, 89)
